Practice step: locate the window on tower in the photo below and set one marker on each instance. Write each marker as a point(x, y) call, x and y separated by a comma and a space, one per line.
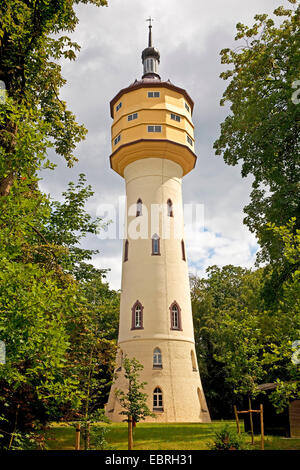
point(126, 250)
point(153, 94)
point(139, 207)
point(175, 313)
point(133, 116)
point(155, 245)
point(119, 106)
point(175, 117)
point(193, 359)
point(157, 400)
point(137, 316)
point(154, 128)
point(190, 141)
point(170, 208)
point(187, 107)
point(157, 359)
point(183, 250)
point(117, 139)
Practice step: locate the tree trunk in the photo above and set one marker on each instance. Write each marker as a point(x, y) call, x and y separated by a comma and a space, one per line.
point(130, 436)
point(6, 184)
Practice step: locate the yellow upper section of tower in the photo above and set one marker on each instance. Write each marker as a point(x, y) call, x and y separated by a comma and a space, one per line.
point(152, 119)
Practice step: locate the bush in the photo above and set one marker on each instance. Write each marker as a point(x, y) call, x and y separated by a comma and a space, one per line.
point(226, 439)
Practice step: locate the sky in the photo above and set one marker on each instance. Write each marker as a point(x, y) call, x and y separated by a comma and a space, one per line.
point(189, 35)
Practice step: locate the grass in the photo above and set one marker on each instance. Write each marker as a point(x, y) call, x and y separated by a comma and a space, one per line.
point(149, 436)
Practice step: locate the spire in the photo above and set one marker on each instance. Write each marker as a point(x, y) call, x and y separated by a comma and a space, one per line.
point(150, 31)
point(150, 57)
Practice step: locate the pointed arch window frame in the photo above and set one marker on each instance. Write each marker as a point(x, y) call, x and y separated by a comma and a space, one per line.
point(139, 207)
point(133, 316)
point(157, 358)
point(155, 245)
point(179, 322)
point(170, 208)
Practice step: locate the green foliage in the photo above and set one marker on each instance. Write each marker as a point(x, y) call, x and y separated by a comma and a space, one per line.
point(34, 118)
point(134, 401)
point(227, 439)
point(262, 129)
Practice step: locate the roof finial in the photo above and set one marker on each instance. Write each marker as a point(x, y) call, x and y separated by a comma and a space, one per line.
point(150, 31)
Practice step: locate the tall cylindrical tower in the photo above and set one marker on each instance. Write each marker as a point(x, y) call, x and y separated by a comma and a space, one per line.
point(153, 148)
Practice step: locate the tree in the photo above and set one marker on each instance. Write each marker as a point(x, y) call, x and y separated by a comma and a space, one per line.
point(262, 130)
point(221, 304)
point(134, 401)
point(33, 117)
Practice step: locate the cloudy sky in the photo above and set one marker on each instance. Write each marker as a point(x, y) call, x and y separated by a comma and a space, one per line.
point(189, 35)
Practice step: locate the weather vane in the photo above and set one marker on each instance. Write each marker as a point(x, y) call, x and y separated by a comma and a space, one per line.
point(150, 21)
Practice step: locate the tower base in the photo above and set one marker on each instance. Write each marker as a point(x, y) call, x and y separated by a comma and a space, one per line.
point(178, 379)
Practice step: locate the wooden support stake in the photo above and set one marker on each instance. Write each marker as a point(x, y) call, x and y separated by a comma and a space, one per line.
point(237, 419)
point(130, 437)
point(77, 439)
point(262, 427)
point(251, 422)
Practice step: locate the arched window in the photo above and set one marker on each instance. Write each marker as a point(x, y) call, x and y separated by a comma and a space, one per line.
point(139, 207)
point(183, 250)
point(157, 359)
point(175, 316)
point(170, 208)
point(193, 359)
point(137, 316)
point(157, 400)
point(126, 250)
point(155, 245)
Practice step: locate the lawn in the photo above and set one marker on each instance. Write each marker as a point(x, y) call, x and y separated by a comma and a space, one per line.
point(149, 436)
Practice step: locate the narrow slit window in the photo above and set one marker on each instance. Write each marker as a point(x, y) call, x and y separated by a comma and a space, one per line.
point(126, 250)
point(170, 208)
point(183, 250)
point(155, 245)
point(139, 208)
point(119, 106)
